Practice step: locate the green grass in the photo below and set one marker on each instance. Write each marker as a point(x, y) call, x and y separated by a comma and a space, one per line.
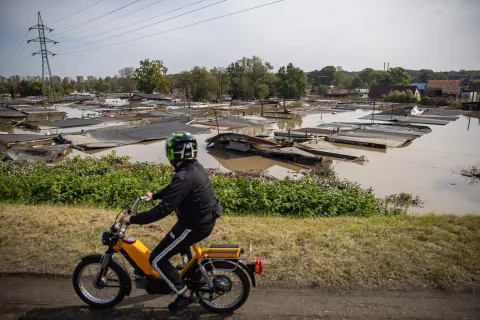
point(396, 252)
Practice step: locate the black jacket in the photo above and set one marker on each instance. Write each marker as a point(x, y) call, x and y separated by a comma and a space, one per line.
point(190, 194)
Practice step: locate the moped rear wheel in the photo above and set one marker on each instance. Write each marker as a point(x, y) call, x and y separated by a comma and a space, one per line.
point(235, 284)
point(108, 293)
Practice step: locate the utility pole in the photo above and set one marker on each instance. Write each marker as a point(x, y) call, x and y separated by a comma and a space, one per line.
point(44, 52)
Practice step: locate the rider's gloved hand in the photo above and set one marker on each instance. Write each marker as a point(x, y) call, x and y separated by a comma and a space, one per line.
point(125, 219)
point(149, 197)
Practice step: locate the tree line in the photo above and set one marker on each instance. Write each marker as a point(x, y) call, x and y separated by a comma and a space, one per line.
point(246, 78)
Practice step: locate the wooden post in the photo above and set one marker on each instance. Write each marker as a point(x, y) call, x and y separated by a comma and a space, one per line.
point(391, 117)
point(216, 120)
point(284, 108)
point(468, 129)
point(289, 135)
point(262, 107)
point(373, 112)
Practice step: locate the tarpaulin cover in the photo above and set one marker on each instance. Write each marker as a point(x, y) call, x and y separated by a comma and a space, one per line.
point(67, 123)
point(118, 136)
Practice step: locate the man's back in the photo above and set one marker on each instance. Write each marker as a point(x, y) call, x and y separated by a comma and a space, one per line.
point(199, 203)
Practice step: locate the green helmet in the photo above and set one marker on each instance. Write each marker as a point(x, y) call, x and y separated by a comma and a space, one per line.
point(181, 146)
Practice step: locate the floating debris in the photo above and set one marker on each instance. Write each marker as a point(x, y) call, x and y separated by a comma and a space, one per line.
point(34, 154)
point(327, 149)
point(10, 140)
point(264, 147)
point(415, 119)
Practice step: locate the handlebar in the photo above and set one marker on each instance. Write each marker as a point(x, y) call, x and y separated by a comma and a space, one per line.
point(123, 227)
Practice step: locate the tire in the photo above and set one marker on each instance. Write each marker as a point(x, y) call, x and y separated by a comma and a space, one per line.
point(242, 277)
point(112, 267)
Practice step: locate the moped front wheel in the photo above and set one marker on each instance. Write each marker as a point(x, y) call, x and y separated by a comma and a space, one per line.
point(106, 293)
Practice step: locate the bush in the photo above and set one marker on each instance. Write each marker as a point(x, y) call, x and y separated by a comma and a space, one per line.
point(112, 181)
point(400, 97)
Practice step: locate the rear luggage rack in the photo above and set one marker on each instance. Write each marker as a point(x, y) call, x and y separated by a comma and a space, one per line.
point(224, 246)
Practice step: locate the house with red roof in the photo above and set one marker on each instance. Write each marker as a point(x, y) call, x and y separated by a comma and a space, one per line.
point(443, 88)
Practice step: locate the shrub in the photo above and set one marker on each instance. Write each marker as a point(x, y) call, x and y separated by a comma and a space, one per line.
point(112, 181)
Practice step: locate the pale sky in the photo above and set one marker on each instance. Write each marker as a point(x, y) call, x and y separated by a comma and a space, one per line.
point(434, 34)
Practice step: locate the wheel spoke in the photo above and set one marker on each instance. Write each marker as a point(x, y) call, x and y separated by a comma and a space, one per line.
point(106, 292)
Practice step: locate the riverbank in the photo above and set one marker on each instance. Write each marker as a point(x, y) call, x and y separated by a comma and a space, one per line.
point(395, 253)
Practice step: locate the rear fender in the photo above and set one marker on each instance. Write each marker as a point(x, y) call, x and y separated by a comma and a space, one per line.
point(231, 264)
point(97, 257)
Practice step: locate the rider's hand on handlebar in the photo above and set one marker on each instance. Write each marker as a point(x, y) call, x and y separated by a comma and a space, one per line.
point(149, 196)
point(125, 219)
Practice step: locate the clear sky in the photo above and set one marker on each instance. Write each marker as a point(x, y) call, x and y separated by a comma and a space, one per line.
point(355, 34)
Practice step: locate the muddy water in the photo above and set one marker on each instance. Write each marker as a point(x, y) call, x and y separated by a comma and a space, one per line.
point(428, 167)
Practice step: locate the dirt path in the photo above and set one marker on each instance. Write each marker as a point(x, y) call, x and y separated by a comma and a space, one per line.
point(45, 298)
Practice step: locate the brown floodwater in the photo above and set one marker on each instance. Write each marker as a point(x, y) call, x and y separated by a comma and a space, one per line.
point(428, 167)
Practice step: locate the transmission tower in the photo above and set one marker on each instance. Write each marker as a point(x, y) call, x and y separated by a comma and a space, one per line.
point(44, 52)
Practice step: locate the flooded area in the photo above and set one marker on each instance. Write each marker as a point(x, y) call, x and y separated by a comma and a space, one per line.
point(428, 167)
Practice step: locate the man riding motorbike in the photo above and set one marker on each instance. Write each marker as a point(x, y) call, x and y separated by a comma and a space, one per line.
point(191, 195)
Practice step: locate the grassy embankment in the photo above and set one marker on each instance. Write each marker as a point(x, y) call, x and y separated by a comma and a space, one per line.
point(316, 232)
point(396, 252)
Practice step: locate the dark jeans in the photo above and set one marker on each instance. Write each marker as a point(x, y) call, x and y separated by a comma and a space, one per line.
point(178, 240)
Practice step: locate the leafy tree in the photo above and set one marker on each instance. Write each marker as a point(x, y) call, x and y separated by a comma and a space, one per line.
point(101, 86)
point(67, 85)
point(327, 75)
point(424, 75)
point(151, 76)
point(368, 76)
point(356, 83)
point(113, 83)
point(3, 85)
point(203, 85)
point(398, 76)
point(292, 82)
point(36, 87)
point(127, 80)
point(247, 74)
point(12, 83)
point(341, 78)
point(263, 91)
point(222, 81)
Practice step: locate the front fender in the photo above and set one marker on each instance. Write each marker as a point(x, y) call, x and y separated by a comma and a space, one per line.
point(97, 257)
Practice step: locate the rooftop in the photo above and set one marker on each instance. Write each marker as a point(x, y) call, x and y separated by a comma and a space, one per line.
point(447, 86)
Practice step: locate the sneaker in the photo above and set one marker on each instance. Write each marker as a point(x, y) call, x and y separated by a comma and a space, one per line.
point(181, 303)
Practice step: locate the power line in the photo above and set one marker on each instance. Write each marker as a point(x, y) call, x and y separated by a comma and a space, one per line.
point(25, 61)
point(121, 34)
point(21, 41)
point(53, 5)
point(77, 25)
point(68, 16)
point(182, 27)
point(96, 34)
point(114, 19)
point(20, 53)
